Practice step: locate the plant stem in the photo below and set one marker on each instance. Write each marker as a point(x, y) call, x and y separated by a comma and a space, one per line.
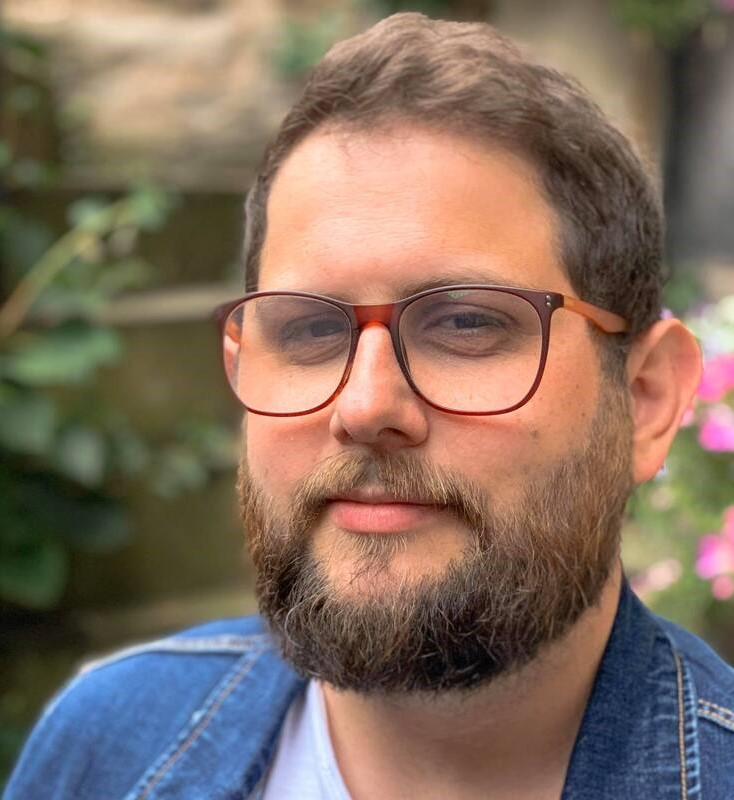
point(52, 262)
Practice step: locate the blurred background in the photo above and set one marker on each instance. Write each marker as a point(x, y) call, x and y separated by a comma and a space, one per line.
point(129, 132)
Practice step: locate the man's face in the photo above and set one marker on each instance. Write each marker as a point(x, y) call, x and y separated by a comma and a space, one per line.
point(372, 218)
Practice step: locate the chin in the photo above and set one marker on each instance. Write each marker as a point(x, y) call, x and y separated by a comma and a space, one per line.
point(378, 566)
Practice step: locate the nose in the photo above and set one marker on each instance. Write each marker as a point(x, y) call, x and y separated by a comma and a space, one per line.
point(377, 406)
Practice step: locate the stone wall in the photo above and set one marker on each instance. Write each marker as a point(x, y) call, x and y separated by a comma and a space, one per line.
point(189, 90)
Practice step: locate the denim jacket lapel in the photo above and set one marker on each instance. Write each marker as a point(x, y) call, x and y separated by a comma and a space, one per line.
point(639, 735)
point(229, 743)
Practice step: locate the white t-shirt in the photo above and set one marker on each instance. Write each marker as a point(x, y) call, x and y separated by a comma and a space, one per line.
point(305, 767)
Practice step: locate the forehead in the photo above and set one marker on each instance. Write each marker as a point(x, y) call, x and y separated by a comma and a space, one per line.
point(371, 217)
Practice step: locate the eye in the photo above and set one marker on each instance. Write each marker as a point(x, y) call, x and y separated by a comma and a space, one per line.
point(463, 320)
point(303, 331)
point(468, 330)
point(471, 320)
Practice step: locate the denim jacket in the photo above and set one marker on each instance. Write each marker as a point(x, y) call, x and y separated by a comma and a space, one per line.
point(197, 715)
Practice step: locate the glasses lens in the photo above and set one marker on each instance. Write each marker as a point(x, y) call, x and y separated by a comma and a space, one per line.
point(285, 354)
point(475, 350)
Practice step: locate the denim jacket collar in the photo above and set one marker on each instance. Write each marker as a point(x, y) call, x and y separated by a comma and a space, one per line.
point(226, 749)
point(639, 733)
point(638, 736)
point(199, 714)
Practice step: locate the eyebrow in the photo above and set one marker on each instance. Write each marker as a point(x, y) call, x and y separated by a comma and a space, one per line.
point(454, 277)
point(462, 277)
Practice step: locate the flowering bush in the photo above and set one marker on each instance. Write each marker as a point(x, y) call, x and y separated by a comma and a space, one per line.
point(715, 560)
point(680, 548)
point(713, 415)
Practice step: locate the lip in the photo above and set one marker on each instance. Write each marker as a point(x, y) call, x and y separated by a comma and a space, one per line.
point(378, 496)
point(374, 512)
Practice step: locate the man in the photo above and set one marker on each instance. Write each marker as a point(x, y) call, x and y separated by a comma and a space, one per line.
point(455, 373)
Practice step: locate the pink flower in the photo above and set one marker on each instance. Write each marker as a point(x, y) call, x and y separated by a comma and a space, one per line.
point(718, 378)
point(722, 587)
point(656, 577)
point(715, 556)
point(728, 529)
point(717, 431)
point(715, 561)
point(727, 6)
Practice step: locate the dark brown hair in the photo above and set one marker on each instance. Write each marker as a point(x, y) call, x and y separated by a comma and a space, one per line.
point(468, 79)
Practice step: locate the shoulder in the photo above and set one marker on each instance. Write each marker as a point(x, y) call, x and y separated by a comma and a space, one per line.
point(208, 642)
point(160, 674)
point(123, 711)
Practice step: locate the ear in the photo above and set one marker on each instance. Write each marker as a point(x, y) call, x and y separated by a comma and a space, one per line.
point(663, 370)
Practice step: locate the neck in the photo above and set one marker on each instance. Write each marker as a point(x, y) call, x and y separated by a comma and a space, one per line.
point(512, 738)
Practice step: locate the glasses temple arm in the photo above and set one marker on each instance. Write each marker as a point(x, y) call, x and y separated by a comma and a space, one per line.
point(606, 320)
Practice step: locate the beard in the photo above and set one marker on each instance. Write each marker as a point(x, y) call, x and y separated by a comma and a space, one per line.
point(527, 572)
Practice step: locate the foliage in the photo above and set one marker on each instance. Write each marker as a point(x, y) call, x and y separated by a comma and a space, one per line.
point(67, 459)
point(304, 42)
point(64, 454)
point(686, 515)
point(669, 22)
point(432, 8)
point(59, 448)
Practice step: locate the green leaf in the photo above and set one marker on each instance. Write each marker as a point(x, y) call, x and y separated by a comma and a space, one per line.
point(667, 21)
point(148, 207)
point(19, 41)
point(96, 523)
point(22, 241)
point(36, 505)
point(66, 302)
point(212, 442)
point(177, 469)
point(27, 422)
point(89, 214)
point(302, 45)
point(432, 8)
point(133, 273)
point(34, 575)
point(66, 355)
point(81, 455)
point(129, 452)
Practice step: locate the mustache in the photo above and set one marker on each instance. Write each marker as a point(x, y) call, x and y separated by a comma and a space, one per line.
point(404, 477)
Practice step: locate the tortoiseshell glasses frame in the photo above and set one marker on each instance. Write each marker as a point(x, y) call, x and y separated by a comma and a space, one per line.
point(545, 303)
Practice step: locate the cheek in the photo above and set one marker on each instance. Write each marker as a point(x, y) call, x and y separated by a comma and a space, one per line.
point(496, 453)
point(279, 453)
point(566, 400)
point(501, 452)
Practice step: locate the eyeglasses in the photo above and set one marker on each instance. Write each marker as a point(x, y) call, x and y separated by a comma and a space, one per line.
point(468, 349)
